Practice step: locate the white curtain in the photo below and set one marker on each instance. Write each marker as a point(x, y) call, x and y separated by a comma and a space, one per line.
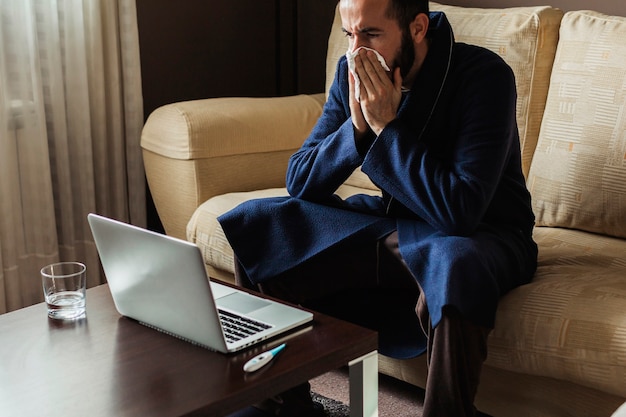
point(71, 113)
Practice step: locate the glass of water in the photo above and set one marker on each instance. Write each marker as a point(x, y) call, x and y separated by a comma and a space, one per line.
point(64, 286)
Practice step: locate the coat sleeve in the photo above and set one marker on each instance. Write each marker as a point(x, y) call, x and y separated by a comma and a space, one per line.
point(329, 155)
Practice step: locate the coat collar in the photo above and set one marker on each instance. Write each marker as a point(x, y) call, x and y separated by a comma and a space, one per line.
point(427, 88)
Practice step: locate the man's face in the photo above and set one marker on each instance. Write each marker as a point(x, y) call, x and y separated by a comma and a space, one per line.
point(365, 22)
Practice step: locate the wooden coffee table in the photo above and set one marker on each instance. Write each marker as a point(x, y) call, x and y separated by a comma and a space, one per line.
point(109, 365)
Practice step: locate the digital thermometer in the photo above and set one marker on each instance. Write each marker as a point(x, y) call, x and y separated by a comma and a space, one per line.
point(263, 359)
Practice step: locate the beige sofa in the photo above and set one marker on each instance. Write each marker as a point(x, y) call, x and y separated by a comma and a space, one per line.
point(559, 345)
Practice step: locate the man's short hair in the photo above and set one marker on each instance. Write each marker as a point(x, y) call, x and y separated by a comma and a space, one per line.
point(404, 11)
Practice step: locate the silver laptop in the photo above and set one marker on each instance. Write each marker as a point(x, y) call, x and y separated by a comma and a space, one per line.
point(161, 282)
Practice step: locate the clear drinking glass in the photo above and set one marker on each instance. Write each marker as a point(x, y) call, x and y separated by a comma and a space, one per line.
point(64, 286)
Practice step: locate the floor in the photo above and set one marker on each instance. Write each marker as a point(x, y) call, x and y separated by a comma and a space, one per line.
point(395, 398)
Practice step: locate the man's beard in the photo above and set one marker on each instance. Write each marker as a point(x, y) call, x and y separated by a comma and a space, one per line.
point(406, 55)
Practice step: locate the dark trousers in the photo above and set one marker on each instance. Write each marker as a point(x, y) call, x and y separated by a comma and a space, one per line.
point(368, 283)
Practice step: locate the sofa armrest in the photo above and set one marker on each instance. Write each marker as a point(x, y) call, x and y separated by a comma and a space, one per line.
point(194, 150)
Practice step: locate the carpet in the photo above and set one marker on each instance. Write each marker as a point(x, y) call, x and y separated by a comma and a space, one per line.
point(332, 408)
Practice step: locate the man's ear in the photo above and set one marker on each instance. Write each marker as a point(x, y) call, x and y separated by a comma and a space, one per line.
point(419, 27)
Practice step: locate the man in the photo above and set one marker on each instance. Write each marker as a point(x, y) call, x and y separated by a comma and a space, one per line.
point(426, 263)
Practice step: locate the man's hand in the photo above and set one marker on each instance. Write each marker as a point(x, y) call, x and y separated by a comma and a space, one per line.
point(380, 97)
point(361, 128)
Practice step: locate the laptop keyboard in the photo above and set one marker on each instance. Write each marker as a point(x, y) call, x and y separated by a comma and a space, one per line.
point(237, 327)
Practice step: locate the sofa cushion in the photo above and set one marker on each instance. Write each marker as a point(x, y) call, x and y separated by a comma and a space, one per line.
point(578, 174)
point(569, 323)
point(525, 37)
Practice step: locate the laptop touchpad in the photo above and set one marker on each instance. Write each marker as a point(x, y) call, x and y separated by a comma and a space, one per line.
point(241, 302)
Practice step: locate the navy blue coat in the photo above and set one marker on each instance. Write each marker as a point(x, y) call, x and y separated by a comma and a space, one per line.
point(449, 167)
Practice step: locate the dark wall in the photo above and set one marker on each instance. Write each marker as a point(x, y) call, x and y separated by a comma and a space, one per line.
point(195, 49)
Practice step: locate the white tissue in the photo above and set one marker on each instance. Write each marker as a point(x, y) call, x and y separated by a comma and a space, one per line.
point(357, 82)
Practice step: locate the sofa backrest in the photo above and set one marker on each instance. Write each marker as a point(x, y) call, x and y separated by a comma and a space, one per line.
point(578, 174)
point(525, 37)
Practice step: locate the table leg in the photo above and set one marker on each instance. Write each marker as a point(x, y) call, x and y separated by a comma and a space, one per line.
point(363, 373)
